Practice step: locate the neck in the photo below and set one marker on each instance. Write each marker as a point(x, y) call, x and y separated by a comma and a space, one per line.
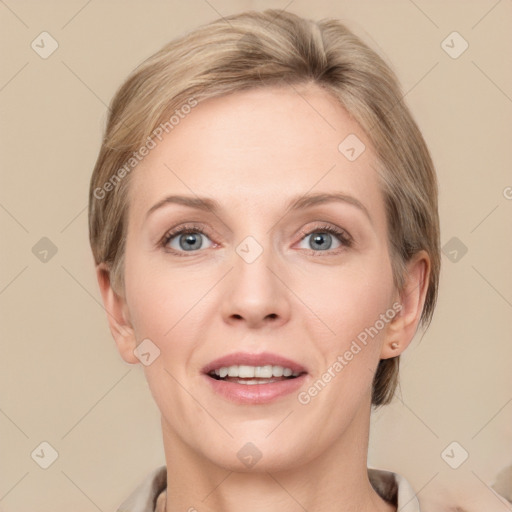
point(335, 481)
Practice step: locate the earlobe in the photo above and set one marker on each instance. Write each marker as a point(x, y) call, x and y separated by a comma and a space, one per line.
point(401, 330)
point(117, 315)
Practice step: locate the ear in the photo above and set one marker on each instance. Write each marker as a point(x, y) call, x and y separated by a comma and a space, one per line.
point(402, 328)
point(118, 316)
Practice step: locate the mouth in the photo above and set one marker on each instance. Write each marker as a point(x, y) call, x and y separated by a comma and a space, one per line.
point(251, 375)
point(254, 378)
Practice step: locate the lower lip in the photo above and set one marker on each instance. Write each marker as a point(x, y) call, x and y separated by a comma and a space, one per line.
point(255, 393)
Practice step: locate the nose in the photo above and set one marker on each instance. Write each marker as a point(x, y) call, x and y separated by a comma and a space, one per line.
point(255, 294)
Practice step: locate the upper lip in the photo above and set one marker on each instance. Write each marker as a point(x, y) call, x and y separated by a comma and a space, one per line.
point(261, 359)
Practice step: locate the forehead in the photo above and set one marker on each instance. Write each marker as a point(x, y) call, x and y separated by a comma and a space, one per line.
point(258, 147)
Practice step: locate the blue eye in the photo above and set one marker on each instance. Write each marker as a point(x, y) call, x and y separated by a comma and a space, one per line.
point(190, 239)
point(186, 239)
point(322, 239)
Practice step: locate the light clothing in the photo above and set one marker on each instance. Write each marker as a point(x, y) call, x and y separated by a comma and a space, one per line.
point(150, 495)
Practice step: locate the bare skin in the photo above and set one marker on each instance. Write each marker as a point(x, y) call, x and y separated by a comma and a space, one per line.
point(254, 152)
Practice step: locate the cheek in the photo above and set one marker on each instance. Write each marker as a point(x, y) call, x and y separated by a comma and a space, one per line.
point(162, 302)
point(351, 302)
point(159, 296)
point(352, 298)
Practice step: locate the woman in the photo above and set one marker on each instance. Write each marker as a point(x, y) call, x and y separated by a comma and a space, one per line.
point(263, 217)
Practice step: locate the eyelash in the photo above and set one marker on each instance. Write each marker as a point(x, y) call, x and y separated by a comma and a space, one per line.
point(345, 239)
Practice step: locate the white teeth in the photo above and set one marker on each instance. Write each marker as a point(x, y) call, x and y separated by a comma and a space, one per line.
point(263, 372)
point(248, 372)
point(245, 372)
point(277, 371)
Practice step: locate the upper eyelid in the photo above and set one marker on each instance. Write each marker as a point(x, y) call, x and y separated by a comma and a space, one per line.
point(207, 231)
point(327, 227)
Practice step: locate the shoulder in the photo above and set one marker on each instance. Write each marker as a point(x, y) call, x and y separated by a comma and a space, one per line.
point(460, 493)
point(391, 486)
point(144, 497)
point(437, 495)
point(394, 488)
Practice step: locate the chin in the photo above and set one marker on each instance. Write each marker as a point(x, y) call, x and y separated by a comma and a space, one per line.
point(257, 455)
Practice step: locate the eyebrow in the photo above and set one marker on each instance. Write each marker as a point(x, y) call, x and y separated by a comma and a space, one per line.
point(297, 203)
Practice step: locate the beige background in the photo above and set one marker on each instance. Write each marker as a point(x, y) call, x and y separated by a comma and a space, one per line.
point(61, 378)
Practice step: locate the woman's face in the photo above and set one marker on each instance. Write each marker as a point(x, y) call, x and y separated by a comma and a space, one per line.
point(271, 263)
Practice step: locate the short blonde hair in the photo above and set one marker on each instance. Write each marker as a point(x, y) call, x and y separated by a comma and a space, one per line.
point(258, 49)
